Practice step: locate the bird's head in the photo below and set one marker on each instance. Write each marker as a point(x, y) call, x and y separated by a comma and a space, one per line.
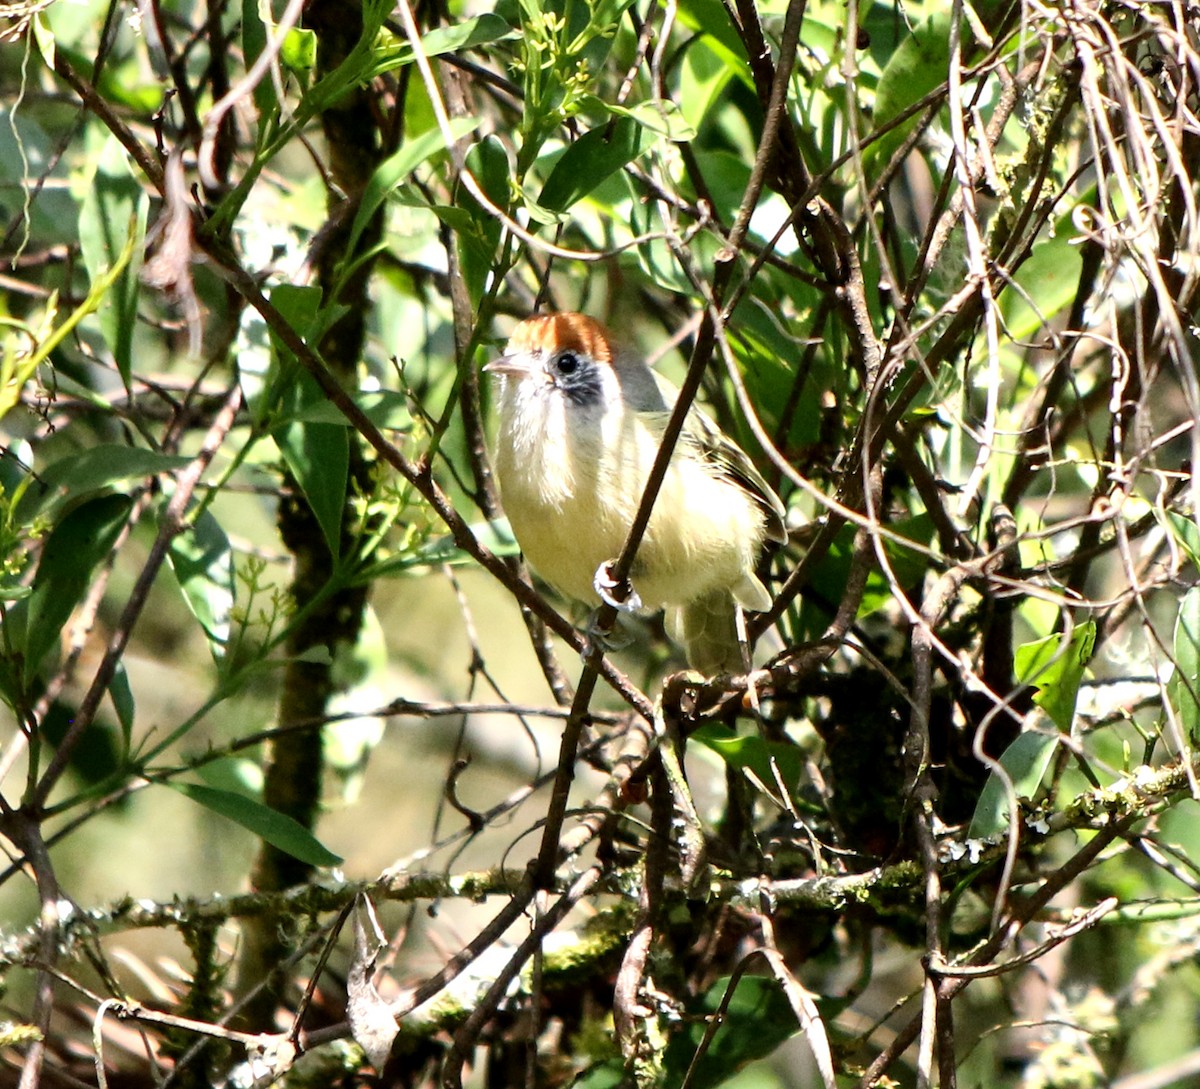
point(569, 354)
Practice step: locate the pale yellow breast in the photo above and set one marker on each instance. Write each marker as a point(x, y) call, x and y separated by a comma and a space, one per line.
point(571, 497)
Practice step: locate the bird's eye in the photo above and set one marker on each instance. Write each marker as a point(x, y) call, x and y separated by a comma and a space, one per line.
point(568, 363)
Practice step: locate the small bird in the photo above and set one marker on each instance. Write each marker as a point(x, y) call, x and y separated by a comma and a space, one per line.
point(580, 421)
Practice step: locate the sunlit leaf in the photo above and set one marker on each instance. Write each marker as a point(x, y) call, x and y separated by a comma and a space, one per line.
point(496, 537)
point(395, 170)
point(1187, 535)
point(1184, 688)
point(277, 829)
point(592, 158)
point(750, 752)
point(299, 49)
point(1054, 666)
point(202, 560)
point(918, 66)
point(386, 409)
point(660, 116)
point(1025, 762)
point(711, 18)
point(462, 35)
point(1044, 285)
point(703, 77)
point(113, 206)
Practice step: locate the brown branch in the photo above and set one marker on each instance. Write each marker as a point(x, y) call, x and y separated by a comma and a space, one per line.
point(1021, 915)
point(628, 1012)
point(23, 829)
point(91, 98)
point(465, 1037)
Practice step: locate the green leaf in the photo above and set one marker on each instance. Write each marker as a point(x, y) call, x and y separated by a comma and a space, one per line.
point(758, 1019)
point(917, 67)
point(113, 206)
point(54, 215)
point(43, 36)
point(268, 824)
point(355, 69)
point(358, 68)
point(659, 115)
point(105, 465)
point(22, 491)
point(1044, 285)
point(98, 756)
point(462, 35)
point(495, 536)
point(597, 154)
point(254, 41)
point(606, 1075)
point(203, 564)
point(711, 18)
point(386, 408)
point(121, 694)
point(1184, 687)
point(909, 565)
point(396, 168)
point(299, 49)
point(1054, 666)
point(1025, 761)
point(703, 77)
point(1187, 535)
point(80, 541)
point(753, 753)
point(488, 162)
point(316, 454)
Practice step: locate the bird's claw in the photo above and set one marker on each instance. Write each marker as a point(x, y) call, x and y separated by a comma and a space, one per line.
point(603, 639)
point(608, 587)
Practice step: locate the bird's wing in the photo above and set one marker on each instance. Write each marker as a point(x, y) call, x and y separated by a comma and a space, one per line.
point(712, 444)
point(731, 461)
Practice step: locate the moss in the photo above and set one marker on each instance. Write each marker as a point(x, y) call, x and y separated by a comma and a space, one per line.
point(604, 935)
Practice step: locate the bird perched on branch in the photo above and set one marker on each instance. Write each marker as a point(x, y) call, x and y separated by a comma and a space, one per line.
point(580, 421)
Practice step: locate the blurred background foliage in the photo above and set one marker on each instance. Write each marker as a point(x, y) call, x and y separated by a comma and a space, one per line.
point(268, 656)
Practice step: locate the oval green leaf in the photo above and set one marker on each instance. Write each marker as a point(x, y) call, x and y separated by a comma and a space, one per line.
point(596, 155)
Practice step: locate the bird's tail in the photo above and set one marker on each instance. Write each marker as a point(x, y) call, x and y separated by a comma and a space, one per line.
point(707, 629)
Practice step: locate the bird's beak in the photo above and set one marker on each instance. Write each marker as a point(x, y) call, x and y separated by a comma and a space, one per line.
point(513, 366)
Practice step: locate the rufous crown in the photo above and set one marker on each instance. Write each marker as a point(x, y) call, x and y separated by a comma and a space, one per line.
point(557, 332)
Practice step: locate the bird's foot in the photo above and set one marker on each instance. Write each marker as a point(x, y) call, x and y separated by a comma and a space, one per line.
point(619, 593)
point(603, 639)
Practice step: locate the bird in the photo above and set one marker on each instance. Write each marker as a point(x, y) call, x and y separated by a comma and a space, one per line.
point(580, 419)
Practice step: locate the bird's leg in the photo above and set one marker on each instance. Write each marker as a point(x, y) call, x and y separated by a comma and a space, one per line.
point(743, 638)
point(620, 594)
point(607, 638)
